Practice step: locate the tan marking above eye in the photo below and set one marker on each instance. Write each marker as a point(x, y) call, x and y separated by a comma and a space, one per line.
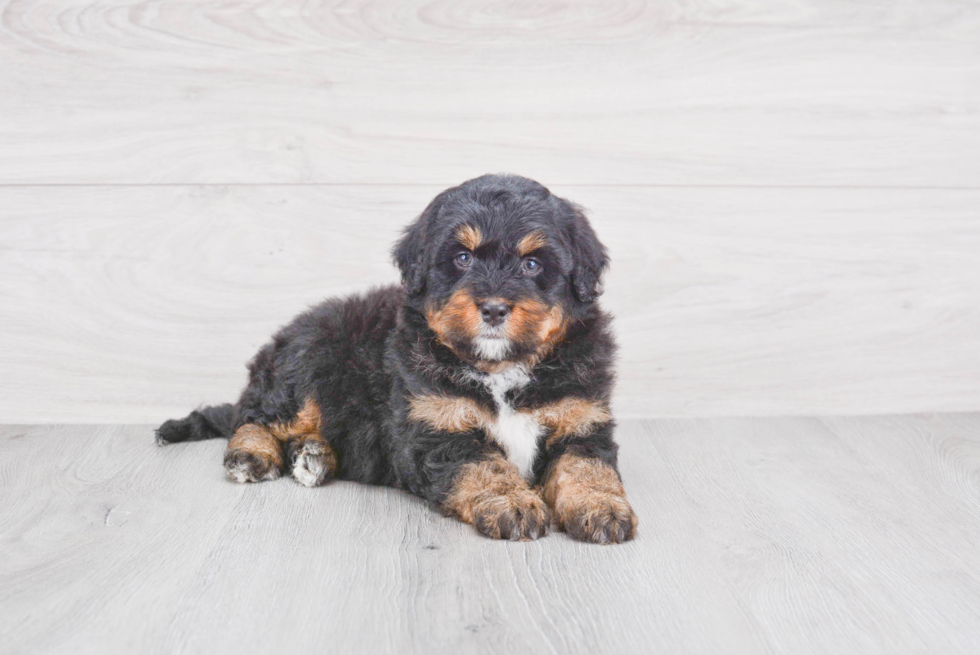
point(469, 236)
point(530, 242)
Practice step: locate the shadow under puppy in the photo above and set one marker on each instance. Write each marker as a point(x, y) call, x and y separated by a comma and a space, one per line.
point(481, 384)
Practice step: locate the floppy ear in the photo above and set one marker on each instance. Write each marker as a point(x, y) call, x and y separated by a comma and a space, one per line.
point(409, 251)
point(407, 254)
point(589, 258)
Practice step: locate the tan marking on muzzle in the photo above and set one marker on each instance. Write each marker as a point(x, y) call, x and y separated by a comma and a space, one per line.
point(533, 321)
point(458, 317)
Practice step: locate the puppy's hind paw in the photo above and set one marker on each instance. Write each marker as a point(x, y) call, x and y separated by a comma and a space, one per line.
point(313, 462)
point(244, 466)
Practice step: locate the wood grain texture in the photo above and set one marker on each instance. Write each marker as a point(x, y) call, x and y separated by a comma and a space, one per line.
point(139, 303)
point(798, 92)
point(780, 535)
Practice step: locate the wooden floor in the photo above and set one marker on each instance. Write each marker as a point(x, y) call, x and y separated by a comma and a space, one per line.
point(788, 535)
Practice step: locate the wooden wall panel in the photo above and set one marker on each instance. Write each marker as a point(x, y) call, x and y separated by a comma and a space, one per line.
point(801, 92)
point(138, 303)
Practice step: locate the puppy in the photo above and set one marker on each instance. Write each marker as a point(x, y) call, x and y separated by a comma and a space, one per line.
point(481, 383)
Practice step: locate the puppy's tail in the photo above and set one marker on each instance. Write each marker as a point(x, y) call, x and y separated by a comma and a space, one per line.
point(205, 423)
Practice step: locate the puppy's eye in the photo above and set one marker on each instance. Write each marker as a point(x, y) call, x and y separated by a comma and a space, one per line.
point(464, 260)
point(531, 266)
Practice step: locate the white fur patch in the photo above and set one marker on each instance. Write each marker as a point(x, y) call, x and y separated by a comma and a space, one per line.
point(241, 473)
point(238, 474)
point(516, 432)
point(310, 467)
point(492, 348)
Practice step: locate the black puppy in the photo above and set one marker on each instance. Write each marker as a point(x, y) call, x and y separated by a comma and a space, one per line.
point(481, 384)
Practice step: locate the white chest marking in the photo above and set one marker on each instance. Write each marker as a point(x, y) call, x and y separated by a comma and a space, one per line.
point(516, 432)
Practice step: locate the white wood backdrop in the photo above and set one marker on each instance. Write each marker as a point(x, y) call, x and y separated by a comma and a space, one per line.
point(790, 189)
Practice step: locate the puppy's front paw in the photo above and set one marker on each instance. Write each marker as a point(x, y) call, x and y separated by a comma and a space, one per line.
point(313, 462)
point(601, 518)
point(520, 515)
point(248, 466)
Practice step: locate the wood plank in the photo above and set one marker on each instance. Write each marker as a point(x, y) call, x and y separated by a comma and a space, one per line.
point(694, 93)
point(364, 569)
point(140, 303)
point(828, 548)
point(779, 535)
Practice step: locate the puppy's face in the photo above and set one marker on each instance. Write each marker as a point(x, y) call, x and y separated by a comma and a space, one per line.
point(495, 294)
point(499, 266)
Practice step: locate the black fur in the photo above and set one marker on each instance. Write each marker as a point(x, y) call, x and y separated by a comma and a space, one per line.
point(361, 358)
point(204, 423)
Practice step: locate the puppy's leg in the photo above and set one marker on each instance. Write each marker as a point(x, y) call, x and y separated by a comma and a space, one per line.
point(491, 495)
point(253, 454)
point(450, 463)
point(588, 499)
point(310, 458)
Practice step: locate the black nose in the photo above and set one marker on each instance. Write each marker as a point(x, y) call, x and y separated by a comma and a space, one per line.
point(494, 312)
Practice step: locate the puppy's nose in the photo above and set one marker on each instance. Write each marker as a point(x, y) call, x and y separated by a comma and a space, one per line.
point(494, 312)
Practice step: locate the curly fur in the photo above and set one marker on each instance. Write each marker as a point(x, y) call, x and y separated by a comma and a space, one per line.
point(397, 386)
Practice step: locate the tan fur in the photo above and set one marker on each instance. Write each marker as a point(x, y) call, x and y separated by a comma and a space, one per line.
point(570, 417)
point(469, 237)
point(529, 321)
point(588, 498)
point(491, 493)
point(533, 321)
point(529, 243)
point(567, 417)
point(551, 330)
point(256, 439)
point(459, 316)
point(493, 367)
point(307, 426)
point(449, 414)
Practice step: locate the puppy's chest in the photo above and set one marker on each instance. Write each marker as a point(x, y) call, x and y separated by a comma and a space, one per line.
point(515, 431)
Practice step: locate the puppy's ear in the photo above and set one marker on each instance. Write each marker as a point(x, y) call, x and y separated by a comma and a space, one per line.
point(407, 254)
point(409, 251)
point(589, 258)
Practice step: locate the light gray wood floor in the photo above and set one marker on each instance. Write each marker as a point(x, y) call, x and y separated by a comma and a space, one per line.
point(777, 535)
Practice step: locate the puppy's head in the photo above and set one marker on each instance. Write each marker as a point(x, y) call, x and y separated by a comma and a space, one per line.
point(499, 265)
